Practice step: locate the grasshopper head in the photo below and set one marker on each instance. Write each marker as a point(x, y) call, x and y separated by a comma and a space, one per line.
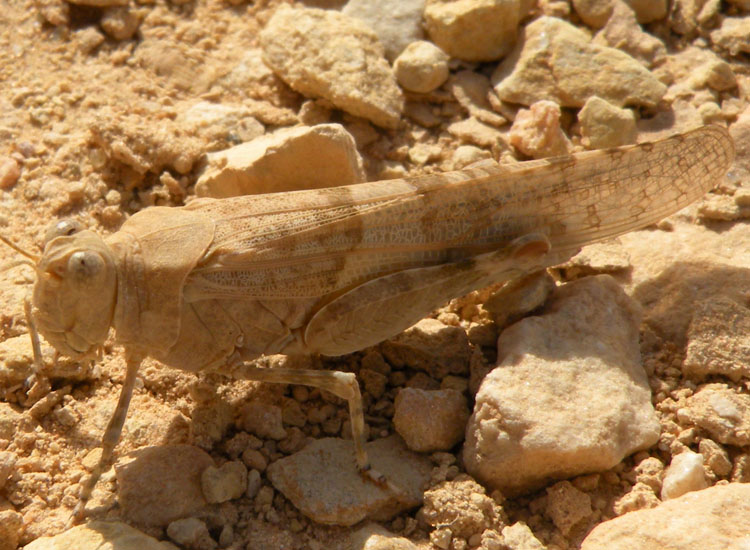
point(75, 291)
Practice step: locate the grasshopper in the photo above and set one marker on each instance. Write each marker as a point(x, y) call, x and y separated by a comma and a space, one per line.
point(219, 282)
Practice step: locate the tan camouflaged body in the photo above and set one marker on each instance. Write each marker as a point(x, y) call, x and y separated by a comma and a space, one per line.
point(332, 271)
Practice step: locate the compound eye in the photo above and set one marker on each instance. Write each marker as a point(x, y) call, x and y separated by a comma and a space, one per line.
point(85, 265)
point(63, 228)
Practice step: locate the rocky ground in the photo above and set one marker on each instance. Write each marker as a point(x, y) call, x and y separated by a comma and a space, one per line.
point(619, 414)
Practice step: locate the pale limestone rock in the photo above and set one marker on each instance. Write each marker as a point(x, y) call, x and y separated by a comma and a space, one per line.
point(99, 3)
point(519, 537)
point(253, 483)
point(462, 506)
point(326, 4)
point(304, 157)
point(555, 60)
point(10, 420)
point(315, 111)
point(741, 468)
point(120, 22)
point(567, 506)
point(569, 395)
point(180, 63)
point(262, 419)
point(687, 16)
point(711, 113)
point(648, 11)
point(536, 131)
point(714, 73)
point(717, 518)
point(732, 35)
point(396, 22)
point(210, 421)
point(227, 482)
point(492, 540)
point(7, 465)
point(323, 483)
point(699, 74)
point(423, 153)
point(718, 339)
point(682, 116)
point(473, 131)
point(375, 382)
point(695, 265)
point(431, 346)
point(519, 297)
point(720, 411)
point(639, 497)
point(715, 457)
point(10, 171)
point(422, 67)
point(421, 113)
point(251, 75)
point(525, 7)
point(604, 257)
point(254, 459)
point(740, 132)
point(722, 208)
point(363, 132)
point(136, 142)
point(157, 485)
point(17, 363)
point(464, 155)
point(227, 539)
point(441, 538)
point(372, 536)
point(596, 13)
point(460, 383)
point(430, 420)
point(327, 54)
point(206, 118)
point(473, 30)
point(423, 382)
point(472, 91)
point(555, 8)
point(650, 472)
point(99, 535)
point(191, 533)
point(55, 12)
point(685, 474)
point(292, 413)
point(11, 526)
point(605, 125)
point(89, 39)
point(623, 32)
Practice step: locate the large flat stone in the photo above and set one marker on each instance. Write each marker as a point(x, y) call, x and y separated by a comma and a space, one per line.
point(323, 482)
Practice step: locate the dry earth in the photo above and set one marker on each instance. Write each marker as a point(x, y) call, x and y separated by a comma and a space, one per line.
point(111, 106)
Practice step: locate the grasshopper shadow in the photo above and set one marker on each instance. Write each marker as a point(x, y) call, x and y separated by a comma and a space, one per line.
point(670, 299)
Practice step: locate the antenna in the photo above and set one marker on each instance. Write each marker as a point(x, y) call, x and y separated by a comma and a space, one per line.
point(33, 257)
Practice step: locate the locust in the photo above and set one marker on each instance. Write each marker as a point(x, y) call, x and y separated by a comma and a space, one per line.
point(212, 285)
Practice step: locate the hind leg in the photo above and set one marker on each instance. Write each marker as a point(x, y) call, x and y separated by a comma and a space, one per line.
point(341, 384)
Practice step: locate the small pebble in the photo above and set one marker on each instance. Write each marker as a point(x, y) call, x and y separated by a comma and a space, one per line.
point(254, 459)
point(263, 420)
point(422, 67)
point(224, 483)
point(684, 474)
point(191, 533)
point(10, 171)
point(253, 483)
